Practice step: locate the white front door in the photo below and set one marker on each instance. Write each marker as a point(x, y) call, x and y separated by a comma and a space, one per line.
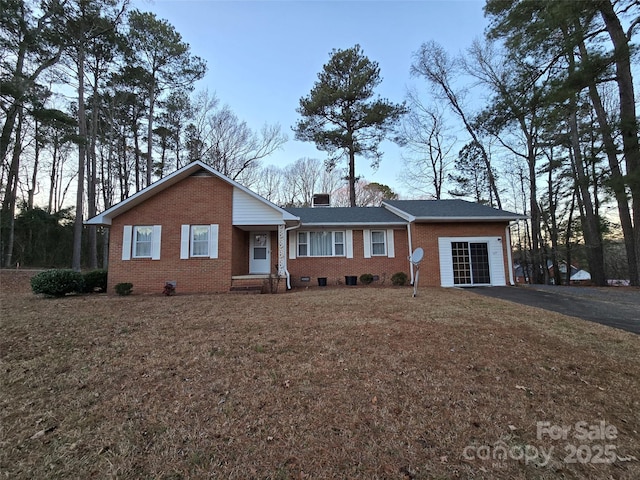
point(260, 253)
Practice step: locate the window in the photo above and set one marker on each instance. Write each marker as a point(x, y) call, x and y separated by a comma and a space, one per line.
point(199, 241)
point(141, 241)
point(470, 263)
point(321, 244)
point(378, 244)
point(338, 242)
point(142, 237)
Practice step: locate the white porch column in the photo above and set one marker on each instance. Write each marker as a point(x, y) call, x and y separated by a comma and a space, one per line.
point(282, 250)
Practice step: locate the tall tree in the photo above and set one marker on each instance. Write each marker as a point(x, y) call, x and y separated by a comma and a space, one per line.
point(513, 118)
point(471, 178)
point(340, 114)
point(426, 136)
point(86, 21)
point(556, 30)
point(435, 65)
point(158, 48)
point(28, 47)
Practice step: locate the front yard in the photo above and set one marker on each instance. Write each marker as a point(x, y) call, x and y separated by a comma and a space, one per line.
point(323, 383)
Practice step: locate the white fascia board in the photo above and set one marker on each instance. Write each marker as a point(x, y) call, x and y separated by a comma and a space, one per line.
point(354, 225)
point(401, 213)
point(468, 219)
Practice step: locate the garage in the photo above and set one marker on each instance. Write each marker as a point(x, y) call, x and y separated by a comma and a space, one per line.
point(471, 261)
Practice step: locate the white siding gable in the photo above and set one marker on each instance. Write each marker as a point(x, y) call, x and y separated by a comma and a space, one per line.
point(496, 262)
point(446, 262)
point(248, 210)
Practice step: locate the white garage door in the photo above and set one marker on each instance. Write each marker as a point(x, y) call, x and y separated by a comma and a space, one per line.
point(471, 261)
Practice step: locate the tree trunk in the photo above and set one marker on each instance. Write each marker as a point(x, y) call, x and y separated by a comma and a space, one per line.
point(591, 227)
point(34, 173)
point(352, 178)
point(628, 119)
point(152, 101)
point(12, 190)
point(76, 258)
point(92, 180)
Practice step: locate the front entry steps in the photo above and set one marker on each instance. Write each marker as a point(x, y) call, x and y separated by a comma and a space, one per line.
point(246, 289)
point(248, 284)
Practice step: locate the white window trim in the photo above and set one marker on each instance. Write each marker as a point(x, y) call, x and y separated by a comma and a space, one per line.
point(384, 243)
point(129, 245)
point(135, 243)
point(192, 241)
point(345, 245)
point(389, 243)
point(186, 241)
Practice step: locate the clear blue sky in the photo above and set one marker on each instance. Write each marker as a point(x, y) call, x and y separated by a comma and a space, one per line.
point(262, 56)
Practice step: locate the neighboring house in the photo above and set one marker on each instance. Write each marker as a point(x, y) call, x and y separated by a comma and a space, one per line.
point(577, 276)
point(206, 233)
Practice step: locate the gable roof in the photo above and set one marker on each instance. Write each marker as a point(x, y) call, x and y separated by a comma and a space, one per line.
point(333, 216)
point(137, 198)
point(454, 210)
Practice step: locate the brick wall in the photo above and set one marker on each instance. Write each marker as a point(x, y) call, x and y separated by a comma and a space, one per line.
point(426, 235)
point(240, 244)
point(423, 235)
point(209, 200)
point(336, 268)
point(194, 200)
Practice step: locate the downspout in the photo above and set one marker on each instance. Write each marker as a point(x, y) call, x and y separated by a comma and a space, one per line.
point(507, 235)
point(410, 250)
point(286, 256)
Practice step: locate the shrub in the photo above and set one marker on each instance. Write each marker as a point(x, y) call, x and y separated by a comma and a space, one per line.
point(124, 288)
point(57, 283)
point(95, 281)
point(399, 279)
point(366, 278)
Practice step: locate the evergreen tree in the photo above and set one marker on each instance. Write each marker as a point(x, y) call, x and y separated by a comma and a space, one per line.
point(340, 114)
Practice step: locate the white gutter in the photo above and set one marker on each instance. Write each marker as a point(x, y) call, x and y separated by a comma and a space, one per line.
point(286, 254)
point(507, 234)
point(410, 250)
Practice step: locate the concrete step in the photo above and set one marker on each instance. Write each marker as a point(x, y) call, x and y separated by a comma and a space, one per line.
point(246, 289)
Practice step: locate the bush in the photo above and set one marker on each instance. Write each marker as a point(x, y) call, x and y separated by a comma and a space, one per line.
point(95, 281)
point(124, 288)
point(366, 278)
point(399, 279)
point(57, 283)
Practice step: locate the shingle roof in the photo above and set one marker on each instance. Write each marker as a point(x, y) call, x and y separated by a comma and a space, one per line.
point(450, 210)
point(346, 215)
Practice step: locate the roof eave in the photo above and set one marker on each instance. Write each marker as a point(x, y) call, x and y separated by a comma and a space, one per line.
point(397, 211)
point(467, 219)
point(352, 224)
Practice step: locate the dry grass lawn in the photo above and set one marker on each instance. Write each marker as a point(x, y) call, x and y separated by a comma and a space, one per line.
point(325, 383)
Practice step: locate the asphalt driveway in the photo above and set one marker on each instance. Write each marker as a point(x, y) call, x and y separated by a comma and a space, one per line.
point(614, 307)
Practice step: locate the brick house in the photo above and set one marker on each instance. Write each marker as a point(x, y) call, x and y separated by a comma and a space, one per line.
point(206, 233)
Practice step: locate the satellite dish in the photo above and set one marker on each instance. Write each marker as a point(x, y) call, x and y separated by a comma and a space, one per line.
point(415, 259)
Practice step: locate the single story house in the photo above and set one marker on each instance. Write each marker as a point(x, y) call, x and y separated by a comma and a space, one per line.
point(204, 233)
point(578, 276)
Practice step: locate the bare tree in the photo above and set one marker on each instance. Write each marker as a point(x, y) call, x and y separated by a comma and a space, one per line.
point(219, 138)
point(426, 136)
point(434, 64)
